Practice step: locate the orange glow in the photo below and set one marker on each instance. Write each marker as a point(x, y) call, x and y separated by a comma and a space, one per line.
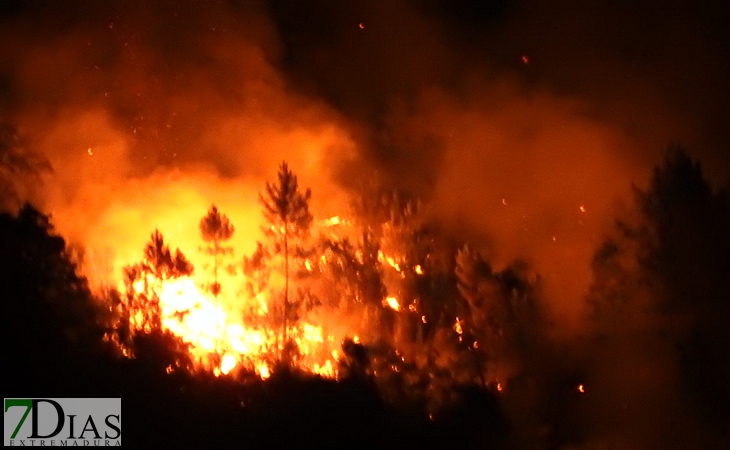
point(499, 387)
point(195, 316)
point(418, 270)
point(383, 258)
point(361, 26)
point(457, 326)
point(581, 389)
point(392, 302)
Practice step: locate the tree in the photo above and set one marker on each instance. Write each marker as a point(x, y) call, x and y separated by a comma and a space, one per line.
point(159, 264)
point(48, 312)
point(286, 210)
point(19, 167)
point(216, 228)
point(662, 277)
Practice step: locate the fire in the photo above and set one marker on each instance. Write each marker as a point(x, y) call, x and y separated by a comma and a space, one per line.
point(228, 363)
point(216, 335)
point(457, 326)
point(263, 371)
point(392, 302)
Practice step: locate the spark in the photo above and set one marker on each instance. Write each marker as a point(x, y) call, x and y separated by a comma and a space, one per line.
point(582, 208)
point(418, 270)
point(361, 26)
point(525, 59)
point(581, 389)
point(504, 201)
point(499, 387)
point(457, 326)
point(90, 152)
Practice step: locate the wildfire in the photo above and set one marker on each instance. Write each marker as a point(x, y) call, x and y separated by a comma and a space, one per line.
point(392, 302)
point(214, 335)
point(228, 363)
point(457, 326)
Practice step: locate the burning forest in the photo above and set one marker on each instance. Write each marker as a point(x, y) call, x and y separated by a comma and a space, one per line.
point(435, 224)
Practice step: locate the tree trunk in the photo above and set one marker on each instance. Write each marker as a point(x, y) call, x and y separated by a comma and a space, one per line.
point(215, 268)
point(286, 283)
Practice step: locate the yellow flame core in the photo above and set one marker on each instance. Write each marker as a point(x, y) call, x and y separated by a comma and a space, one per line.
point(457, 326)
point(215, 334)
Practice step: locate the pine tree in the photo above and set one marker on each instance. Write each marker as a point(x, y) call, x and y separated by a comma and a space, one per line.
point(161, 264)
point(20, 167)
point(662, 275)
point(215, 228)
point(286, 210)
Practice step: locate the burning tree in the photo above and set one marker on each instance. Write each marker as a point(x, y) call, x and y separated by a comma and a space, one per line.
point(144, 281)
point(286, 210)
point(215, 228)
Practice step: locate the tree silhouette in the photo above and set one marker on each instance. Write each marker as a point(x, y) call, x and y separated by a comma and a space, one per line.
point(663, 273)
point(159, 264)
point(48, 311)
point(286, 210)
point(18, 166)
point(215, 228)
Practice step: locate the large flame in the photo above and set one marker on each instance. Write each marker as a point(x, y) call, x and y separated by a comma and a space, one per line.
point(220, 340)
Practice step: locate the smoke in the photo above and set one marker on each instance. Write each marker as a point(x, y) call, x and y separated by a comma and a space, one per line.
point(524, 124)
point(148, 113)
